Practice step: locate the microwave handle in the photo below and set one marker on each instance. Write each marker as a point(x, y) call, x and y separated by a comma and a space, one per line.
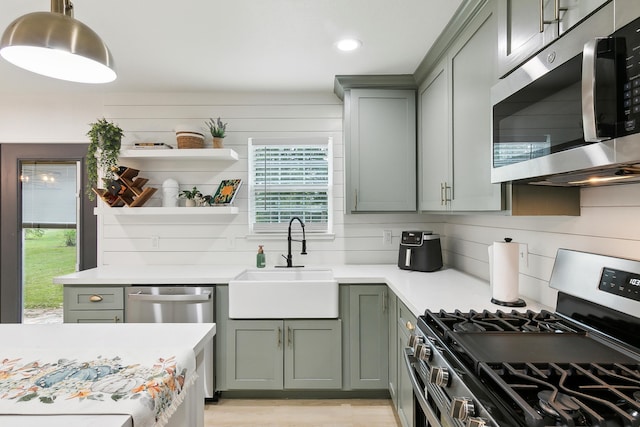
point(589, 116)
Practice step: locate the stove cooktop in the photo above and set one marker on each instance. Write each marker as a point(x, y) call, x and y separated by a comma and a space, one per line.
point(543, 369)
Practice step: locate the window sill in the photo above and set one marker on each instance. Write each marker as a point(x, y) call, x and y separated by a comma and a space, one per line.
point(283, 236)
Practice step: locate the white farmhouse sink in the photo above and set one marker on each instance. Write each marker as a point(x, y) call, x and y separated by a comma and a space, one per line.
point(283, 294)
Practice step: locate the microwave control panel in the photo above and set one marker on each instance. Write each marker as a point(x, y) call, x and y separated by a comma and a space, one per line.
point(630, 76)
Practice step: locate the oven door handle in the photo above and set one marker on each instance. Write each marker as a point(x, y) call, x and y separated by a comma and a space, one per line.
point(419, 392)
point(204, 297)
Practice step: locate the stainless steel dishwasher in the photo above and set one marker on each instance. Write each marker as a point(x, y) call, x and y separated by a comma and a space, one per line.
point(175, 304)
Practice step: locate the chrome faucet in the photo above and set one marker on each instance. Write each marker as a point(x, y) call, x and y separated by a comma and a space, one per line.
point(289, 257)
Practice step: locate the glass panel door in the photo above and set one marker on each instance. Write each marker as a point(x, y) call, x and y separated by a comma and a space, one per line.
point(49, 195)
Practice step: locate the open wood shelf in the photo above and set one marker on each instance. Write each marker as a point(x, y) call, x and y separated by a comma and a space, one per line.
point(153, 211)
point(186, 154)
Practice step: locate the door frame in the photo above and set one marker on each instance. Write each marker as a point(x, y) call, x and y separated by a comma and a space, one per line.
point(11, 218)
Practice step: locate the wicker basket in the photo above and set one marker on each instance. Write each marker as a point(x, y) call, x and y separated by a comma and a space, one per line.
point(190, 140)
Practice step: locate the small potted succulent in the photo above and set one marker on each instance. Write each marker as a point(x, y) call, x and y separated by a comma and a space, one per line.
point(218, 131)
point(192, 197)
point(102, 153)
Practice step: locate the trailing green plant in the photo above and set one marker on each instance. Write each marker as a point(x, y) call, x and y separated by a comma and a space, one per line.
point(217, 128)
point(102, 154)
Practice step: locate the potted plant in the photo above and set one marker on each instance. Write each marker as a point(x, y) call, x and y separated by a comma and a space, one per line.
point(218, 131)
point(191, 196)
point(103, 152)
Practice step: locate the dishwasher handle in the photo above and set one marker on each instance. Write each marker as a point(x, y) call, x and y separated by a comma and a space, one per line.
point(204, 297)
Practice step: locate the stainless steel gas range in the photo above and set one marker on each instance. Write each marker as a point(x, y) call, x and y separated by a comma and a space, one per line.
point(577, 366)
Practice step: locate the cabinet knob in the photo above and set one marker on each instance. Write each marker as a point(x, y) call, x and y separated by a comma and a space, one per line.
point(410, 325)
point(95, 298)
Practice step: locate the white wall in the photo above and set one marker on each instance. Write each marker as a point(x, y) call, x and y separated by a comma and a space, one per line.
point(224, 239)
point(608, 225)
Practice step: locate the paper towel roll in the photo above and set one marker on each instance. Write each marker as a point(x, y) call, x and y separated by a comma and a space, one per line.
point(504, 274)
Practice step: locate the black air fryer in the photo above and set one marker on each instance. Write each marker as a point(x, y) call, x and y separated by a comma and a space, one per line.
point(420, 251)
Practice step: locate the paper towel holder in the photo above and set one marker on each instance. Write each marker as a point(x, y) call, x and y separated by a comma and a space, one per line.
point(517, 303)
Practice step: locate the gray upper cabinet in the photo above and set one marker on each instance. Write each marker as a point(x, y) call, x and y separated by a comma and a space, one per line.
point(455, 123)
point(380, 150)
point(434, 143)
point(527, 26)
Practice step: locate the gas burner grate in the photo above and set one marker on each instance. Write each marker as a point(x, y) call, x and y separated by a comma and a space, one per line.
point(568, 394)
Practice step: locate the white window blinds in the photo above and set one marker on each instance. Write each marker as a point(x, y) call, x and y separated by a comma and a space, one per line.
point(287, 178)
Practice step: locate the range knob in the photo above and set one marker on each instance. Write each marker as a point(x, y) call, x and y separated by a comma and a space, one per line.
point(476, 422)
point(423, 352)
point(413, 340)
point(439, 376)
point(417, 343)
point(462, 408)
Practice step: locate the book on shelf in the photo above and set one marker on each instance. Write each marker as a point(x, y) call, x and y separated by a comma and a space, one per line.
point(151, 145)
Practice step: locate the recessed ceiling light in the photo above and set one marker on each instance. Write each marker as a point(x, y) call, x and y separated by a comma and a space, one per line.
point(347, 45)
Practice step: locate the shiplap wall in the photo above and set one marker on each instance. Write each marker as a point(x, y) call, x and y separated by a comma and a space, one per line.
point(608, 225)
point(224, 239)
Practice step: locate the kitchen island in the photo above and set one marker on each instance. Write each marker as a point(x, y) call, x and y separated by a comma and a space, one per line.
point(57, 354)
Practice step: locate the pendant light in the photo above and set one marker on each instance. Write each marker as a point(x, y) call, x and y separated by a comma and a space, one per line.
point(56, 45)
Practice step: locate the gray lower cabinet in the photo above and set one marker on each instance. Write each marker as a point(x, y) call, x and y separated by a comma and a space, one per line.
point(368, 337)
point(404, 400)
point(393, 353)
point(283, 354)
point(84, 304)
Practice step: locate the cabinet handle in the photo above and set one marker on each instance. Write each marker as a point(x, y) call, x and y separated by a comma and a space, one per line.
point(410, 326)
point(356, 199)
point(556, 14)
point(279, 337)
point(289, 337)
point(444, 197)
point(385, 302)
point(95, 298)
point(116, 319)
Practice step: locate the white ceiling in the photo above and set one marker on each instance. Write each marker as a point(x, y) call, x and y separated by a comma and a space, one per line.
point(241, 45)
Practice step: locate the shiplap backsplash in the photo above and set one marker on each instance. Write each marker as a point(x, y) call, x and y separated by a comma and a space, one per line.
point(224, 239)
point(608, 223)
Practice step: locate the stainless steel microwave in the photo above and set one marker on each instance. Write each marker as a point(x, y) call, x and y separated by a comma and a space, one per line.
point(570, 116)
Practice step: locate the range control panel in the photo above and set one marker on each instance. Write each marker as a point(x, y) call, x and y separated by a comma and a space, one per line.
point(621, 283)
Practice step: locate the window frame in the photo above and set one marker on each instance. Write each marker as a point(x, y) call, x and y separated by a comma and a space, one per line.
point(279, 228)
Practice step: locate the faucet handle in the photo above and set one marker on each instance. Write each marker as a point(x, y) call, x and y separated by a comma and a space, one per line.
point(304, 247)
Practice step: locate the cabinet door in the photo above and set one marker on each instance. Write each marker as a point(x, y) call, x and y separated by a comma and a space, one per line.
point(473, 73)
point(91, 316)
point(369, 337)
point(313, 354)
point(405, 389)
point(520, 34)
point(381, 150)
point(393, 353)
point(254, 354)
point(434, 144)
point(519, 31)
point(405, 400)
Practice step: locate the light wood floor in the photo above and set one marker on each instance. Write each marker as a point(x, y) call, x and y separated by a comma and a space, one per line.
point(300, 413)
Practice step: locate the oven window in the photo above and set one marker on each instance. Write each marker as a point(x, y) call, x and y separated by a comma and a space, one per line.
point(544, 117)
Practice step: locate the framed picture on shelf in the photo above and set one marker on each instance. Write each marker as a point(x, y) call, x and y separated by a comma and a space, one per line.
point(226, 192)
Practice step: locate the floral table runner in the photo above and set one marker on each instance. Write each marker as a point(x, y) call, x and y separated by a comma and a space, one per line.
point(147, 384)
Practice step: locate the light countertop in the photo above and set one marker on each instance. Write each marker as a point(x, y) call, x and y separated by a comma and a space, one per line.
point(446, 289)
